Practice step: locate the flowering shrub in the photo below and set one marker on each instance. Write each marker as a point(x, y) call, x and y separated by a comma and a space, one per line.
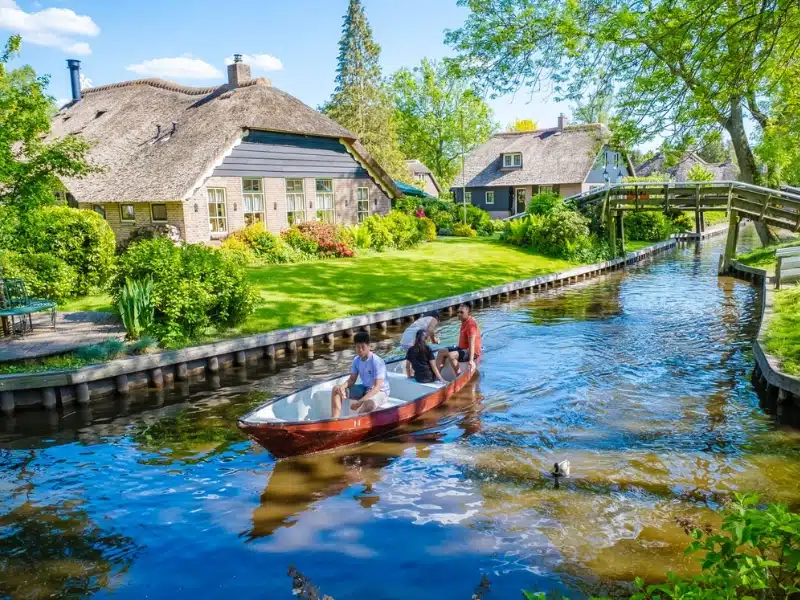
point(327, 238)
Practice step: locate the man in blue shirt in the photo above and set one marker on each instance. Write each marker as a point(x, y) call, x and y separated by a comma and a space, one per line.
point(373, 391)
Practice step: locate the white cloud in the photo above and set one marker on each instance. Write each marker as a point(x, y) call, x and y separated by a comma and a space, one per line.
point(55, 27)
point(263, 62)
point(184, 67)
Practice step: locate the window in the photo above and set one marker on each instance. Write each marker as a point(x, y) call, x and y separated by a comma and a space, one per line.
point(295, 201)
point(217, 214)
point(99, 209)
point(420, 177)
point(158, 212)
point(468, 197)
point(489, 197)
point(512, 160)
point(325, 211)
point(362, 196)
point(127, 212)
point(545, 188)
point(253, 197)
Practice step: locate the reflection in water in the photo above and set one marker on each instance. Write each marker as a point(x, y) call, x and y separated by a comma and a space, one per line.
point(641, 379)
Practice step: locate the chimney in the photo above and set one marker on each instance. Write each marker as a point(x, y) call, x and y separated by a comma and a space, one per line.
point(562, 122)
point(75, 78)
point(238, 72)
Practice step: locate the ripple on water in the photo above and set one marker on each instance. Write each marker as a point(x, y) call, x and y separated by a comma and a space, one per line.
point(639, 378)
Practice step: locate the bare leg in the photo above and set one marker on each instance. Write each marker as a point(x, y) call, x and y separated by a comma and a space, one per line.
point(363, 407)
point(441, 358)
point(336, 403)
point(453, 356)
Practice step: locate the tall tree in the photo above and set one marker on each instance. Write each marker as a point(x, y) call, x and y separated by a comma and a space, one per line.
point(712, 149)
point(361, 101)
point(438, 115)
point(597, 107)
point(678, 66)
point(30, 164)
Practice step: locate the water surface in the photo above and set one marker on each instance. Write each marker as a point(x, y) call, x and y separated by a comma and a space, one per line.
point(641, 379)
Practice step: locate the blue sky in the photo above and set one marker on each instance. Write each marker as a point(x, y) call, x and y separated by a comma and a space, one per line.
point(118, 40)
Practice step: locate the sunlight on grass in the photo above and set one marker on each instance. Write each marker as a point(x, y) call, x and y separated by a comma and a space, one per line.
point(634, 245)
point(764, 257)
point(98, 303)
point(783, 334)
point(319, 291)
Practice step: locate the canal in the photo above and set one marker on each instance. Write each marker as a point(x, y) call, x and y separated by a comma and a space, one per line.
point(641, 379)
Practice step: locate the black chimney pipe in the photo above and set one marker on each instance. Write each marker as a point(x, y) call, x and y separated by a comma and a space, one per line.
point(75, 78)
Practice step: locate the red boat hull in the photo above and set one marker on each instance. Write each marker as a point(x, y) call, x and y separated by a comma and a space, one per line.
point(290, 439)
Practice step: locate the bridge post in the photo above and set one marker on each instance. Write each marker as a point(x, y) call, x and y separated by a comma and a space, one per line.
point(730, 244)
point(620, 224)
point(612, 232)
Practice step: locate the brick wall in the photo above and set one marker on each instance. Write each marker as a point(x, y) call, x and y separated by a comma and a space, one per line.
point(143, 216)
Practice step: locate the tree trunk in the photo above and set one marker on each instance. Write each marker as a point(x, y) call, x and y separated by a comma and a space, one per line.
point(748, 170)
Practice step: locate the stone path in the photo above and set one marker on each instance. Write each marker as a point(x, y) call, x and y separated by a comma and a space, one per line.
point(72, 330)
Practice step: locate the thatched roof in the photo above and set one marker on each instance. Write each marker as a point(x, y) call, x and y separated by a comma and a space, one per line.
point(724, 171)
point(417, 166)
point(120, 120)
point(549, 156)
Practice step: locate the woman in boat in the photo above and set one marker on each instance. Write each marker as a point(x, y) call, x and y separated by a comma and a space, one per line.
point(420, 362)
point(427, 323)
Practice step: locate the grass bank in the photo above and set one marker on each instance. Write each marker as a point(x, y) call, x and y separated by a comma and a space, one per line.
point(782, 338)
point(764, 257)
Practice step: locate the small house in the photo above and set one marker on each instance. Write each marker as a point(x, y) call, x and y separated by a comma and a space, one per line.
point(504, 173)
point(210, 161)
point(724, 171)
point(424, 178)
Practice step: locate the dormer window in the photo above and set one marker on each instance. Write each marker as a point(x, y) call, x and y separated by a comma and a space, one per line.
point(512, 159)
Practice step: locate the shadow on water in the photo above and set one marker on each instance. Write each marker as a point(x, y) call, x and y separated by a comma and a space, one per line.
point(641, 379)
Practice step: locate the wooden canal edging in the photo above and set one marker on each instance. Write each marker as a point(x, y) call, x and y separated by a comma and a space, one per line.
point(767, 372)
point(53, 388)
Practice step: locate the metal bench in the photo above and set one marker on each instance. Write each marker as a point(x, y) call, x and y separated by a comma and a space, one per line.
point(16, 303)
point(788, 265)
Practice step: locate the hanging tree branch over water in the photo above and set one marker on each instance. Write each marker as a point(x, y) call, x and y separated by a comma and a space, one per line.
point(678, 67)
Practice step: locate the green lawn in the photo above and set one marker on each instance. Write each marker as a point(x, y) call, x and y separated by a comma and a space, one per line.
point(764, 257)
point(319, 291)
point(634, 245)
point(783, 333)
point(96, 302)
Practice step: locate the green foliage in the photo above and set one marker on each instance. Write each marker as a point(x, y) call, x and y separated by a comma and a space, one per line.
point(239, 250)
point(295, 238)
point(439, 115)
point(648, 226)
point(31, 163)
point(194, 287)
point(81, 238)
point(477, 218)
point(407, 204)
point(361, 236)
point(545, 203)
point(516, 231)
point(379, 233)
point(362, 101)
point(680, 221)
point(560, 233)
point(499, 225)
point(463, 230)
point(699, 173)
point(45, 276)
point(427, 229)
point(676, 67)
point(135, 306)
point(764, 256)
point(783, 332)
point(330, 240)
point(108, 350)
point(645, 178)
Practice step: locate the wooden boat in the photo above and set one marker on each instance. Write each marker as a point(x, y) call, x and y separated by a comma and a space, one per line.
point(301, 422)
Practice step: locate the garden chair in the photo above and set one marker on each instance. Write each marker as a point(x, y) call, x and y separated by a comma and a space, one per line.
point(19, 304)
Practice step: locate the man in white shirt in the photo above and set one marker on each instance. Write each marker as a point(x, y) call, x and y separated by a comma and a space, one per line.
point(429, 322)
point(373, 391)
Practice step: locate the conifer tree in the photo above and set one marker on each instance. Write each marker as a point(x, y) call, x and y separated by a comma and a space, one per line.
point(361, 101)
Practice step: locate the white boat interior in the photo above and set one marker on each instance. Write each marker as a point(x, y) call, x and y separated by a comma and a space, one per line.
point(314, 403)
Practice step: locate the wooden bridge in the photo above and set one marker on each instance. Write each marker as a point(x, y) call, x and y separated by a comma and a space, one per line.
point(776, 208)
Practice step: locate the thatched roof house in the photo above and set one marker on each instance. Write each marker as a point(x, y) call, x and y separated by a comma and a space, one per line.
point(164, 143)
point(502, 174)
point(724, 171)
point(424, 177)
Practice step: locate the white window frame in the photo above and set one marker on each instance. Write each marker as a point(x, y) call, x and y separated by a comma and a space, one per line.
point(489, 197)
point(100, 209)
point(468, 197)
point(293, 198)
point(325, 197)
point(545, 188)
point(214, 194)
point(362, 214)
point(250, 197)
point(122, 217)
point(153, 216)
point(512, 159)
